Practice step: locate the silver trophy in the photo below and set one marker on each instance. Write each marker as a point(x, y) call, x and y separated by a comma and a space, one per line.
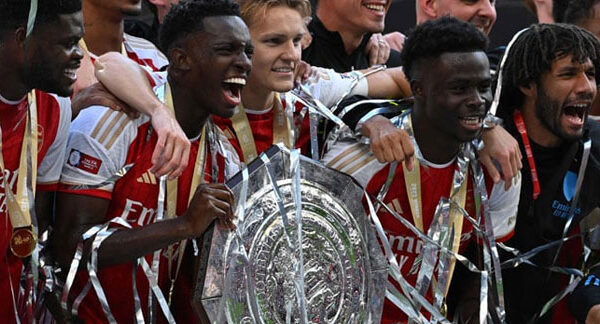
point(259, 273)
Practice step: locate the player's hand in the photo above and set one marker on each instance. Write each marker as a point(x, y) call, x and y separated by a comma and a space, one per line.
point(302, 73)
point(172, 150)
point(97, 94)
point(388, 143)
point(377, 49)
point(211, 201)
point(501, 147)
point(395, 40)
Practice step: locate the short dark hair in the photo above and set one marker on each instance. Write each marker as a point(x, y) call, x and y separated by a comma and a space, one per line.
point(533, 53)
point(578, 10)
point(14, 13)
point(433, 38)
point(186, 18)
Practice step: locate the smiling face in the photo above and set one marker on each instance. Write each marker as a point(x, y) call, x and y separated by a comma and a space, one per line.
point(219, 63)
point(364, 16)
point(481, 13)
point(456, 92)
point(53, 55)
point(564, 96)
point(277, 48)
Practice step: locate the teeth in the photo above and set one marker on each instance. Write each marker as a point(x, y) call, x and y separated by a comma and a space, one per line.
point(375, 7)
point(240, 81)
point(71, 72)
point(283, 69)
point(472, 120)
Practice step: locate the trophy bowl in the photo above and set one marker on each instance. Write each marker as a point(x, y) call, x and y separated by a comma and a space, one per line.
point(260, 273)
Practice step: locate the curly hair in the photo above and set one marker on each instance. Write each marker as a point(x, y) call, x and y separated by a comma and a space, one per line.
point(251, 8)
point(444, 35)
point(578, 10)
point(14, 13)
point(186, 18)
point(533, 53)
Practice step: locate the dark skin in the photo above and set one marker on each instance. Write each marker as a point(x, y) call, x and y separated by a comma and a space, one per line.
point(446, 89)
point(27, 66)
point(198, 67)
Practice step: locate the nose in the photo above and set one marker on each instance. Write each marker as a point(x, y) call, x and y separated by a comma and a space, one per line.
point(585, 84)
point(292, 51)
point(243, 62)
point(77, 52)
point(487, 9)
point(476, 99)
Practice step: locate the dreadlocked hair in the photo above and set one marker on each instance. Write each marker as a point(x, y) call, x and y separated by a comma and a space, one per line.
point(432, 38)
point(14, 13)
point(186, 18)
point(579, 10)
point(533, 53)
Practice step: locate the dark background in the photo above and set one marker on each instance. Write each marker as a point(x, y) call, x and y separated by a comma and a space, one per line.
point(512, 17)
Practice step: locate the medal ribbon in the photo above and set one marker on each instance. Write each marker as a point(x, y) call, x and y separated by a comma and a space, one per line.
point(412, 181)
point(518, 119)
point(243, 131)
point(20, 205)
point(172, 193)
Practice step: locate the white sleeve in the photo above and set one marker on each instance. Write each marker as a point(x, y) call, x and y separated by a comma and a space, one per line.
point(354, 159)
point(50, 166)
point(97, 148)
point(503, 205)
point(329, 86)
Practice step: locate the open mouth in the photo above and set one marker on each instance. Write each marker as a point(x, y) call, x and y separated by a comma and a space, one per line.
point(232, 90)
point(71, 73)
point(575, 114)
point(378, 7)
point(471, 122)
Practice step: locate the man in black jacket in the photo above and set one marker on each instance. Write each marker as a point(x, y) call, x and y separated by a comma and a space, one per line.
point(549, 83)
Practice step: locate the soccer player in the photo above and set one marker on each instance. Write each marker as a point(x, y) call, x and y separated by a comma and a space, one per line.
point(208, 46)
point(261, 118)
point(450, 78)
point(45, 61)
point(549, 84)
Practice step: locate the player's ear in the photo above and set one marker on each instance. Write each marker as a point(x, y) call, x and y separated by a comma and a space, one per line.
point(179, 59)
point(529, 90)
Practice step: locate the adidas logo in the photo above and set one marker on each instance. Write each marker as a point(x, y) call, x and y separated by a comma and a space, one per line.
point(147, 178)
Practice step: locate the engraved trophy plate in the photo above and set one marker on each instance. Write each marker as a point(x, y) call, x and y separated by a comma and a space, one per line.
point(344, 271)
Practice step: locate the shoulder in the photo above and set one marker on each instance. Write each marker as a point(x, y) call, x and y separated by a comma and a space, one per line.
point(145, 51)
point(354, 159)
point(105, 126)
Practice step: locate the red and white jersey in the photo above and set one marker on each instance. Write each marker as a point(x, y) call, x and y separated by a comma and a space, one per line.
point(145, 54)
point(54, 117)
point(436, 180)
point(101, 143)
point(327, 86)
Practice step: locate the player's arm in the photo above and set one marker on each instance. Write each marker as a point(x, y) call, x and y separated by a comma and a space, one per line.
point(77, 213)
point(129, 82)
point(389, 83)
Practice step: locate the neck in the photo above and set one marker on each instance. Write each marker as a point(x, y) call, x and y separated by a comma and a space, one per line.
point(333, 23)
point(436, 147)
point(544, 14)
point(536, 129)
point(13, 86)
point(189, 113)
point(257, 99)
point(103, 29)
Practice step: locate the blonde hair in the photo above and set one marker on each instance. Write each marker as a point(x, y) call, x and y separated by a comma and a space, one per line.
point(251, 8)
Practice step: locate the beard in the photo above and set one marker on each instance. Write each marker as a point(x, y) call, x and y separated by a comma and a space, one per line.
point(549, 111)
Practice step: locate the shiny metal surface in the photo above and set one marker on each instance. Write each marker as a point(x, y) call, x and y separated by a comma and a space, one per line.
point(344, 271)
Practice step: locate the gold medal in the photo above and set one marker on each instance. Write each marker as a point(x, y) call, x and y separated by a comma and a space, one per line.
point(22, 242)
